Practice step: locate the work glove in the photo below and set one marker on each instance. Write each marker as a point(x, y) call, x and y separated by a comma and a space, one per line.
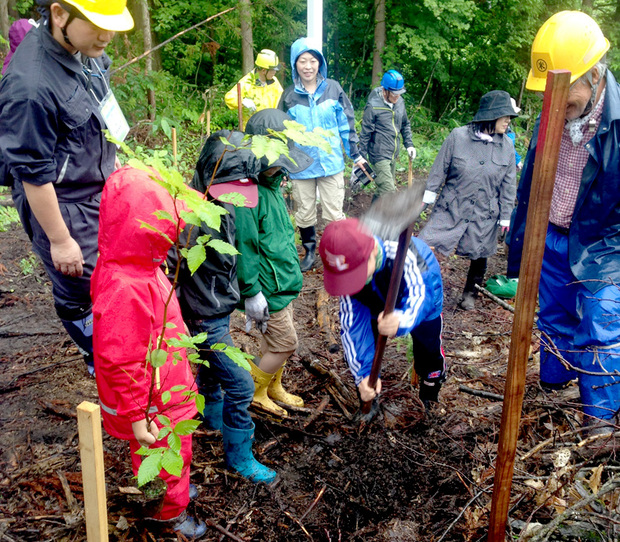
point(256, 310)
point(248, 104)
point(505, 225)
point(429, 197)
point(412, 153)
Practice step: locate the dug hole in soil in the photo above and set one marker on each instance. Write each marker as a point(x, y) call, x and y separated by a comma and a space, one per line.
point(406, 476)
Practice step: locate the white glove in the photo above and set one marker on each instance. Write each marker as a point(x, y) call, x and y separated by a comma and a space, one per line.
point(359, 161)
point(411, 152)
point(429, 197)
point(256, 310)
point(248, 104)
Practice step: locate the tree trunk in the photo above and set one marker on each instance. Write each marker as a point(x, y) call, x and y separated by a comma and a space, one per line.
point(377, 62)
point(247, 42)
point(586, 6)
point(4, 21)
point(142, 20)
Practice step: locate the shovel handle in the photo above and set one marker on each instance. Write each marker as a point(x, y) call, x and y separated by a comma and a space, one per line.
point(390, 303)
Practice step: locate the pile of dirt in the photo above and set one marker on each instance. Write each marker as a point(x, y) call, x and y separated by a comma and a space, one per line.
point(407, 476)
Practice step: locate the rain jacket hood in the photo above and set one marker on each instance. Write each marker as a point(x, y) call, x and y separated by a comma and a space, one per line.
point(133, 198)
point(240, 164)
point(305, 45)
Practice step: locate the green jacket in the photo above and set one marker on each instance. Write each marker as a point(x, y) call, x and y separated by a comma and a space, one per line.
point(266, 240)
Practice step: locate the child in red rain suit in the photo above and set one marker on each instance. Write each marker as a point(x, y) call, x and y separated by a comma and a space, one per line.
point(129, 292)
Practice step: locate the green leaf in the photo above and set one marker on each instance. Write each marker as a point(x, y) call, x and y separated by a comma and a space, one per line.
point(147, 226)
point(174, 442)
point(190, 218)
point(234, 353)
point(164, 432)
point(195, 257)
point(165, 126)
point(172, 462)
point(158, 358)
point(170, 325)
point(150, 468)
point(178, 388)
point(164, 420)
point(186, 427)
point(165, 397)
point(164, 215)
point(222, 247)
point(200, 402)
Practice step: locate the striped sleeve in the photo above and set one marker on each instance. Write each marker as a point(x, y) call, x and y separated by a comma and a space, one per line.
point(409, 305)
point(358, 341)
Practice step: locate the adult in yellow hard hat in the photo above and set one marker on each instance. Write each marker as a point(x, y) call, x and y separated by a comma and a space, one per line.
point(259, 89)
point(579, 297)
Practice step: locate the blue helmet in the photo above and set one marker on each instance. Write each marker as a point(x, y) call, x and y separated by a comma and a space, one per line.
point(393, 82)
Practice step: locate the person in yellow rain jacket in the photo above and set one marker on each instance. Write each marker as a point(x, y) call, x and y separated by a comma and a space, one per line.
point(259, 89)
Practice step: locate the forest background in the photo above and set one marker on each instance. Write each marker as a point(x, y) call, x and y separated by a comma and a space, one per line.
point(450, 52)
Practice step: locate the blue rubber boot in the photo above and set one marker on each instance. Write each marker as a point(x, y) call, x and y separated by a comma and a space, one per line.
point(190, 527)
point(239, 456)
point(212, 415)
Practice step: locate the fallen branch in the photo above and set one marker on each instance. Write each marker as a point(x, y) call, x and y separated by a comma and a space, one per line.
point(469, 503)
point(324, 321)
point(316, 500)
point(482, 393)
point(166, 42)
point(497, 300)
point(224, 531)
point(544, 533)
point(288, 514)
point(317, 412)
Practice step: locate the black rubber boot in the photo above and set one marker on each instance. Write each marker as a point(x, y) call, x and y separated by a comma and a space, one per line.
point(475, 275)
point(308, 241)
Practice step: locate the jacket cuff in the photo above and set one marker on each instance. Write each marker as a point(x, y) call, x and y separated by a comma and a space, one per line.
point(429, 197)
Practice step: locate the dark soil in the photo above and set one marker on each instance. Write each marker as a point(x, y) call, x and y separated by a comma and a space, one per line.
point(406, 476)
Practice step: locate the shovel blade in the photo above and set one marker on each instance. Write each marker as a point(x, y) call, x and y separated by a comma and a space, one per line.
point(392, 213)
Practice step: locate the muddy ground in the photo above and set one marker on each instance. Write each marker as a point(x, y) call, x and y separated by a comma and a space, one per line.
point(407, 476)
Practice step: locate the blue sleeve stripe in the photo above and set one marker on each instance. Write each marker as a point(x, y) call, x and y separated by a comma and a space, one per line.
point(415, 291)
point(348, 345)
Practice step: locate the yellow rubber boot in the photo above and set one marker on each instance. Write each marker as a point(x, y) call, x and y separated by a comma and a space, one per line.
point(261, 399)
point(278, 393)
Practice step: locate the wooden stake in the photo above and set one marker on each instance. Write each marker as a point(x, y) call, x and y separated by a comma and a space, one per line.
point(239, 107)
point(174, 146)
point(93, 479)
point(208, 122)
point(545, 165)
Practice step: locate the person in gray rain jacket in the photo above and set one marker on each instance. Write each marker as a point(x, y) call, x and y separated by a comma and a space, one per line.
point(476, 168)
point(385, 118)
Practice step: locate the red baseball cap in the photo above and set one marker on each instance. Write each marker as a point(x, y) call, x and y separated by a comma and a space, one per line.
point(345, 248)
point(246, 187)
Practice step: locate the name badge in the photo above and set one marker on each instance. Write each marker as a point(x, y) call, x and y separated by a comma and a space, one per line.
point(113, 116)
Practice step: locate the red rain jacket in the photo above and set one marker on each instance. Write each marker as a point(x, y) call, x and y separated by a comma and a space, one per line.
point(129, 292)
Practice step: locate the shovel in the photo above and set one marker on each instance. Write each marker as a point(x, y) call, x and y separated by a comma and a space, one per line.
point(391, 217)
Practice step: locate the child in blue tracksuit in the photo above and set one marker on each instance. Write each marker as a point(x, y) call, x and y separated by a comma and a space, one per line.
point(357, 266)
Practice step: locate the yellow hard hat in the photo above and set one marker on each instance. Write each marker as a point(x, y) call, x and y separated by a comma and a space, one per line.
point(110, 15)
point(268, 60)
point(568, 40)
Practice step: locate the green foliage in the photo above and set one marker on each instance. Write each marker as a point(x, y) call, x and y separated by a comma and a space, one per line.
point(8, 216)
point(29, 264)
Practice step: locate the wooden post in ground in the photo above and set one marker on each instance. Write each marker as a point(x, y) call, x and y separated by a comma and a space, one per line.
point(545, 165)
point(93, 479)
point(174, 146)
